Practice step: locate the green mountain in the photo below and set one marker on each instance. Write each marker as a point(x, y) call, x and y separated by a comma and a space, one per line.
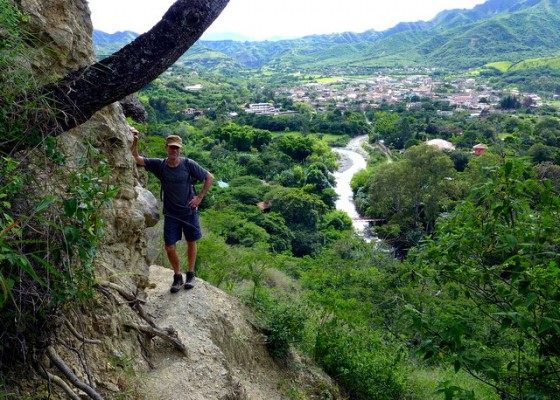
point(108, 43)
point(497, 30)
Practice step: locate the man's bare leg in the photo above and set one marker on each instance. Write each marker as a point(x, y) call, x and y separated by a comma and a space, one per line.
point(173, 258)
point(191, 257)
point(174, 261)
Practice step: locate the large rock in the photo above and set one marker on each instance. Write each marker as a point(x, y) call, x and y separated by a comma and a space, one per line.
point(65, 27)
point(148, 204)
point(133, 108)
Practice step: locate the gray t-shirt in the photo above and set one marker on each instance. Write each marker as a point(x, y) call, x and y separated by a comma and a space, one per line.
point(177, 183)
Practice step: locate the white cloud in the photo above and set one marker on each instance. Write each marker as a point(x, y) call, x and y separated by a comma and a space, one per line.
point(260, 19)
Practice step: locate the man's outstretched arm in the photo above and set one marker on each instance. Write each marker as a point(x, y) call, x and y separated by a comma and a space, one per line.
point(137, 157)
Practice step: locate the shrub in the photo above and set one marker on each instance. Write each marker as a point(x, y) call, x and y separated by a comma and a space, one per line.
point(283, 323)
point(360, 362)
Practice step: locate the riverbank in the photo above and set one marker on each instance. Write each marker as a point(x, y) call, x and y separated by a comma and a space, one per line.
point(352, 159)
point(355, 145)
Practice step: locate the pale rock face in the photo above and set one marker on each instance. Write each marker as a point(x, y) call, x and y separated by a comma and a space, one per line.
point(149, 205)
point(64, 26)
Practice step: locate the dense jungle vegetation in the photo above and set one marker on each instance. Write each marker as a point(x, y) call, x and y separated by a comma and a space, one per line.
point(459, 299)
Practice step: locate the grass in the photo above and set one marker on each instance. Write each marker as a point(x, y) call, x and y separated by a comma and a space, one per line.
point(501, 66)
point(423, 382)
point(317, 78)
point(333, 140)
point(505, 66)
point(329, 79)
point(285, 133)
point(553, 63)
point(327, 137)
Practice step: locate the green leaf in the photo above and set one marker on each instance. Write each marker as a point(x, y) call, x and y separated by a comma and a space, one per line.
point(6, 285)
point(71, 233)
point(531, 299)
point(44, 204)
point(506, 324)
point(429, 354)
point(492, 374)
point(511, 241)
point(545, 324)
point(26, 267)
point(70, 207)
point(49, 267)
point(508, 168)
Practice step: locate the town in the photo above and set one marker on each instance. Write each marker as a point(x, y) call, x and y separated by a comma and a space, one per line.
point(464, 94)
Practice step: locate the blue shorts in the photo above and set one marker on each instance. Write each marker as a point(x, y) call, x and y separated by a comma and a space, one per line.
point(174, 228)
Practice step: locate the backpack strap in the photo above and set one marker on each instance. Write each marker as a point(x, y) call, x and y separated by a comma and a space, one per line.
point(188, 166)
point(162, 182)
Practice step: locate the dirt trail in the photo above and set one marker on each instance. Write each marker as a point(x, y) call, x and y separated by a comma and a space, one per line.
point(226, 356)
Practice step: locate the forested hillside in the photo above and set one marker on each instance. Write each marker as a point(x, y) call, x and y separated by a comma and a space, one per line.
point(463, 281)
point(498, 30)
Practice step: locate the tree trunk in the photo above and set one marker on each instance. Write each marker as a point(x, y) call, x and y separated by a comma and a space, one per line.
point(83, 92)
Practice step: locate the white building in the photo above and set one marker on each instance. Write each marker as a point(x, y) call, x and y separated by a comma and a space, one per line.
point(442, 144)
point(261, 108)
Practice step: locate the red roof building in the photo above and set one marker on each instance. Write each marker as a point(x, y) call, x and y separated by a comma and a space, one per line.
point(479, 149)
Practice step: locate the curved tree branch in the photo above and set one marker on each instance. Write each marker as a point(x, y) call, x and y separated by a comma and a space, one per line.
point(83, 92)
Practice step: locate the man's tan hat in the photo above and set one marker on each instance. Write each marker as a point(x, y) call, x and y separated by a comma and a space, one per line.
point(174, 140)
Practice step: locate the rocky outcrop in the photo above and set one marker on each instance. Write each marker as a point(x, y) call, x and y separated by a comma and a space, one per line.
point(134, 109)
point(93, 340)
point(64, 26)
point(133, 339)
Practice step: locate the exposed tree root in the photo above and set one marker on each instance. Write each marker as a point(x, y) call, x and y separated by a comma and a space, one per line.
point(65, 369)
point(132, 300)
point(80, 337)
point(168, 334)
point(58, 381)
point(152, 329)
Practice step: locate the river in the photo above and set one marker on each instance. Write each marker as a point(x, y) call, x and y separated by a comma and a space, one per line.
point(352, 159)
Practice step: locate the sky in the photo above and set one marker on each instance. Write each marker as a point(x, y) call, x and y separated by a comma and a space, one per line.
point(266, 19)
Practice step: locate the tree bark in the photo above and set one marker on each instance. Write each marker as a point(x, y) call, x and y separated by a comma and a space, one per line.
point(77, 96)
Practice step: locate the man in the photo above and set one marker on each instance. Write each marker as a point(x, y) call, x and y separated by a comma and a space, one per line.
point(180, 202)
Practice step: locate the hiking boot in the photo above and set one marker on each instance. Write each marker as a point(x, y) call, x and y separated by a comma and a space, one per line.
point(177, 283)
point(190, 280)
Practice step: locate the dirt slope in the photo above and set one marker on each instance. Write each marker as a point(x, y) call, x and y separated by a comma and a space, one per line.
point(226, 358)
